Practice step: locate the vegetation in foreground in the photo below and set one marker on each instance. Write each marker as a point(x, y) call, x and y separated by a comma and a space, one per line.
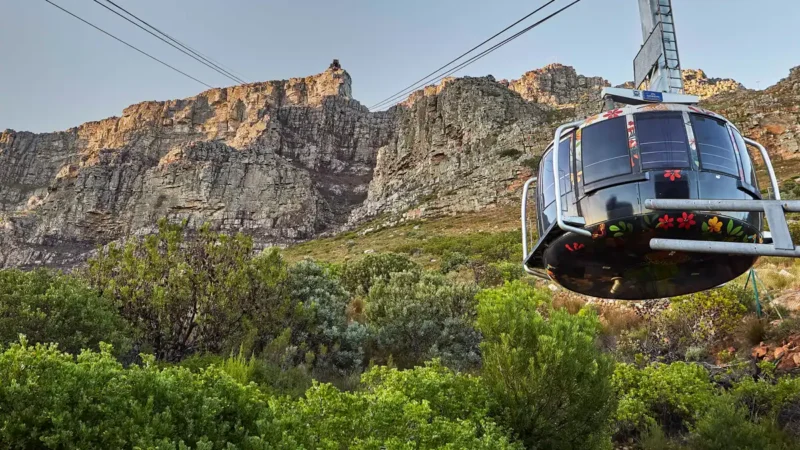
point(171, 342)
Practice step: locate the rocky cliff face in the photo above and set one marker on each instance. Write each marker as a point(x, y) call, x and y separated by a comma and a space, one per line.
point(458, 148)
point(288, 160)
point(281, 160)
point(770, 116)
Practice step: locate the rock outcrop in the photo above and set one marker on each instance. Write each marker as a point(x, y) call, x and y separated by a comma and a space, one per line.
point(458, 148)
point(281, 160)
point(696, 82)
point(770, 116)
point(561, 87)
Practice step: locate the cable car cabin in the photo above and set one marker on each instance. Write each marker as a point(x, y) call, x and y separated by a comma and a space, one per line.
point(606, 167)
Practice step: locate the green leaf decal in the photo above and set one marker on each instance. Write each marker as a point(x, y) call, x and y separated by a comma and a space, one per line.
point(730, 226)
point(613, 228)
point(630, 228)
point(618, 234)
point(705, 226)
point(737, 231)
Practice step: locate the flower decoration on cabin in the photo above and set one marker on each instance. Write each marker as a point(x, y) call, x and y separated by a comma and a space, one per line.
point(591, 119)
point(672, 174)
point(686, 221)
point(575, 247)
point(613, 114)
point(665, 222)
point(632, 142)
point(714, 225)
point(631, 128)
point(599, 232)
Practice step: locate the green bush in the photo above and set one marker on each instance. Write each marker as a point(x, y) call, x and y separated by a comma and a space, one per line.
point(47, 306)
point(359, 276)
point(50, 400)
point(726, 425)
point(532, 163)
point(337, 343)
point(428, 407)
point(488, 247)
point(453, 261)
point(205, 294)
point(691, 325)
point(415, 317)
point(670, 396)
point(549, 380)
point(509, 153)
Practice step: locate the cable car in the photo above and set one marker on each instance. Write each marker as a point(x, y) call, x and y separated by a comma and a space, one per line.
point(654, 197)
point(592, 189)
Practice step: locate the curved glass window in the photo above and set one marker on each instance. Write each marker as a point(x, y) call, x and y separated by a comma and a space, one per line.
point(604, 149)
point(714, 145)
point(564, 171)
point(662, 140)
point(548, 180)
point(747, 162)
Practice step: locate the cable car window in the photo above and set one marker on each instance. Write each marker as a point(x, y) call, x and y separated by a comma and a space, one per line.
point(747, 161)
point(714, 145)
point(662, 141)
point(605, 150)
point(564, 171)
point(548, 180)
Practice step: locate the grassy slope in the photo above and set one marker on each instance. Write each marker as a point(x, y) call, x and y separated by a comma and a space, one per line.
point(354, 243)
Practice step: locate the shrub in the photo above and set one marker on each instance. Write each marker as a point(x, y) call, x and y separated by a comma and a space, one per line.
point(50, 400)
point(509, 153)
point(359, 276)
point(338, 344)
point(550, 382)
point(487, 247)
point(700, 320)
point(428, 407)
point(532, 163)
point(670, 396)
point(47, 306)
point(453, 261)
point(725, 426)
point(203, 294)
point(415, 317)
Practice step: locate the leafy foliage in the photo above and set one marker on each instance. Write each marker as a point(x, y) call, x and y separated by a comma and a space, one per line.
point(415, 317)
point(47, 306)
point(48, 400)
point(202, 294)
point(338, 343)
point(359, 276)
point(487, 247)
point(551, 383)
point(669, 396)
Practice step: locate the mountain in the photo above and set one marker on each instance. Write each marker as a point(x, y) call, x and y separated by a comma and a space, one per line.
point(287, 161)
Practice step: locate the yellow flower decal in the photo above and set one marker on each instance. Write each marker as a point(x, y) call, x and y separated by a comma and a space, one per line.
point(714, 225)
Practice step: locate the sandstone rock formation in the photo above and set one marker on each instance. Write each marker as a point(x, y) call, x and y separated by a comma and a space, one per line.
point(281, 160)
point(696, 82)
point(770, 116)
point(560, 86)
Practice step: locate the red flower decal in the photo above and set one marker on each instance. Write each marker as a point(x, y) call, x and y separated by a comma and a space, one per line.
point(672, 174)
point(665, 222)
point(686, 221)
point(575, 247)
point(631, 128)
point(613, 114)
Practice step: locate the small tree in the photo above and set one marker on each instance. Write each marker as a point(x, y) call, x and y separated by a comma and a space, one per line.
point(201, 294)
point(551, 382)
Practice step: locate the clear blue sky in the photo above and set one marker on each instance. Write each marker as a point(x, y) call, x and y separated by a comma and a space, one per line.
point(56, 72)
